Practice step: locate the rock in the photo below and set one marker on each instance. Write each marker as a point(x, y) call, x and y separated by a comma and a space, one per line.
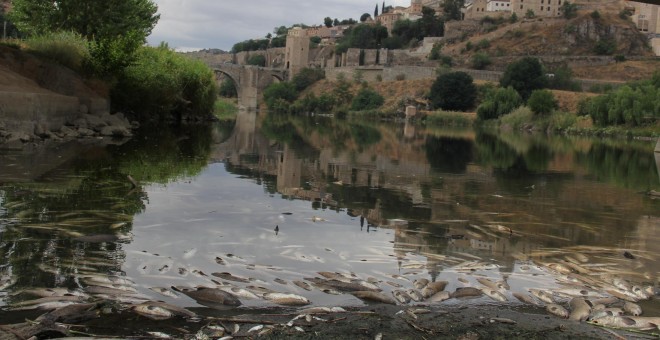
point(95, 123)
point(80, 123)
point(84, 109)
point(135, 125)
point(25, 138)
point(85, 132)
point(115, 131)
point(41, 131)
point(66, 132)
point(116, 120)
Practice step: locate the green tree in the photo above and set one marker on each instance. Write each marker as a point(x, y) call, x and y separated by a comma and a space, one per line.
point(257, 60)
point(542, 102)
point(568, 10)
point(95, 20)
point(499, 102)
point(530, 14)
point(364, 17)
point(277, 94)
point(525, 76)
point(327, 22)
point(453, 91)
point(228, 88)
point(480, 61)
point(367, 99)
point(452, 9)
point(306, 77)
point(376, 11)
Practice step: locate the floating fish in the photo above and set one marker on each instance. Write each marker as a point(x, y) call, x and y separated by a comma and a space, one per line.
point(153, 312)
point(287, 299)
point(302, 284)
point(164, 292)
point(420, 283)
point(355, 285)
point(230, 277)
point(433, 287)
point(466, 292)
point(210, 295)
point(524, 298)
point(374, 296)
point(542, 295)
point(239, 292)
point(490, 284)
point(439, 297)
point(580, 310)
point(624, 322)
point(415, 295)
point(322, 310)
point(632, 308)
point(557, 310)
point(494, 294)
point(401, 296)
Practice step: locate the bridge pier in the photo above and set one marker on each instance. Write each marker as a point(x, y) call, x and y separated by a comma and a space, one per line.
point(250, 81)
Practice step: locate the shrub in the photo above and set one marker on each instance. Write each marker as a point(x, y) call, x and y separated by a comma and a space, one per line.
point(480, 61)
point(513, 18)
point(518, 117)
point(498, 102)
point(454, 91)
point(562, 79)
point(619, 58)
point(569, 10)
point(482, 44)
point(468, 46)
point(163, 84)
point(542, 102)
point(605, 47)
point(277, 93)
point(257, 60)
point(367, 99)
point(632, 104)
point(306, 77)
point(530, 14)
point(400, 77)
point(595, 15)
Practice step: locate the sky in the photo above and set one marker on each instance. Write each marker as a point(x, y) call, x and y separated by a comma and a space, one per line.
point(198, 24)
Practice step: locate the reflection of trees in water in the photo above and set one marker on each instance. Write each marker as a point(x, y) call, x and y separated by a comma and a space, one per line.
point(627, 167)
point(75, 219)
point(451, 155)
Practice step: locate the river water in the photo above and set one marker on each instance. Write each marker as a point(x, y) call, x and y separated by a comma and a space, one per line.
point(388, 203)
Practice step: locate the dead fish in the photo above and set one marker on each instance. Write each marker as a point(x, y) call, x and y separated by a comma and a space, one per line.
point(632, 308)
point(322, 310)
point(260, 290)
point(230, 277)
point(466, 292)
point(597, 314)
point(623, 294)
point(524, 298)
point(420, 283)
point(49, 299)
point(46, 292)
point(153, 312)
point(503, 320)
point(605, 301)
point(342, 285)
point(374, 296)
point(176, 310)
point(640, 292)
point(210, 295)
point(439, 297)
point(286, 299)
point(255, 328)
point(280, 281)
point(560, 268)
point(393, 284)
point(302, 284)
point(164, 292)
point(401, 296)
point(219, 260)
point(542, 295)
point(490, 284)
point(46, 305)
point(577, 292)
point(415, 295)
point(433, 287)
point(239, 292)
point(623, 322)
point(463, 280)
point(557, 310)
point(494, 294)
point(580, 310)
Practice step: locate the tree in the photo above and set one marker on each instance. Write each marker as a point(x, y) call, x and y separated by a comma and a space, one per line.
point(335, 22)
point(306, 77)
point(367, 99)
point(95, 20)
point(480, 61)
point(376, 11)
point(498, 102)
point(382, 9)
point(327, 22)
point(257, 60)
point(568, 10)
point(278, 92)
point(452, 9)
point(453, 91)
point(542, 102)
point(525, 76)
point(228, 89)
point(365, 17)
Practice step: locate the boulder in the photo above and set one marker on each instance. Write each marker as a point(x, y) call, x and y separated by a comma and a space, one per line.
point(115, 131)
point(116, 120)
point(85, 132)
point(84, 109)
point(95, 123)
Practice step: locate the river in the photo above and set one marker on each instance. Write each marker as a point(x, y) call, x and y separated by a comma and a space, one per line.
point(273, 200)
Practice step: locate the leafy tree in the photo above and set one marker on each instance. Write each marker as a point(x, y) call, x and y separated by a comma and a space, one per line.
point(562, 79)
point(257, 60)
point(277, 94)
point(362, 36)
point(530, 14)
point(525, 76)
point(336, 22)
point(452, 9)
point(605, 46)
point(306, 77)
point(542, 102)
point(513, 18)
point(453, 91)
point(568, 10)
point(228, 89)
point(95, 20)
point(499, 102)
point(367, 99)
point(365, 17)
point(327, 22)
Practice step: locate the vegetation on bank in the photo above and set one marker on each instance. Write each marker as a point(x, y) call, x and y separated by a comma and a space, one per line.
point(105, 41)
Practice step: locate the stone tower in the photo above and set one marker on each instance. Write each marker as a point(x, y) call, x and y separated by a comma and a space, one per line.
point(415, 6)
point(297, 51)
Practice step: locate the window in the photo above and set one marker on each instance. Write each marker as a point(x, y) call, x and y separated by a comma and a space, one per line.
point(521, 6)
point(541, 7)
point(541, 1)
point(549, 1)
point(548, 8)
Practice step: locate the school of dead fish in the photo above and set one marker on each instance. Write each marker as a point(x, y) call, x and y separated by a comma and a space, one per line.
point(589, 291)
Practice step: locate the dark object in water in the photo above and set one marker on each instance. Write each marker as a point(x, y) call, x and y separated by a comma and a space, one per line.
point(210, 295)
point(277, 229)
point(628, 255)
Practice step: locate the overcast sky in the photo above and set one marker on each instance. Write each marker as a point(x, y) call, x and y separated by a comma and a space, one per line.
point(197, 24)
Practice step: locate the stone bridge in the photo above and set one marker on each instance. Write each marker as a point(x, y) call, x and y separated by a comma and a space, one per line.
point(250, 81)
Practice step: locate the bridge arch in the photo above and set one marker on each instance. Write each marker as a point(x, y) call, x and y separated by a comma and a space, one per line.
point(250, 81)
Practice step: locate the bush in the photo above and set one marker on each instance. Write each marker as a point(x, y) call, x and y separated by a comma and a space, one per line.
point(514, 18)
point(595, 15)
point(569, 10)
point(562, 79)
point(605, 47)
point(65, 48)
point(634, 104)
point(480, 61)
point(163, 84)
point(482, 44)
point(542, 102)
point(367, 99)
point(524, 75)
point(257, 60)
point(454, 91)
point(619, 58)
point(498, 102)
point(306, 77)
point(277, 94)
point(518, 117)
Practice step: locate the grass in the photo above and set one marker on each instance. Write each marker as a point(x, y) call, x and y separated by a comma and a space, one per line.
point(66, 48)
point(449, 118)
point(225, 109)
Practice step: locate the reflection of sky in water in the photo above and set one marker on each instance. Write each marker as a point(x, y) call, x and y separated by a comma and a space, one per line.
point(190, 223)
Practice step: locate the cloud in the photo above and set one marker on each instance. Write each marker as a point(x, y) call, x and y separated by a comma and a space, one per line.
point(220, 24)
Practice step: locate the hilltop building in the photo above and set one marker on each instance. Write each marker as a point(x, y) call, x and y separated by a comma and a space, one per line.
point(296, 54)
point(647, 18)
